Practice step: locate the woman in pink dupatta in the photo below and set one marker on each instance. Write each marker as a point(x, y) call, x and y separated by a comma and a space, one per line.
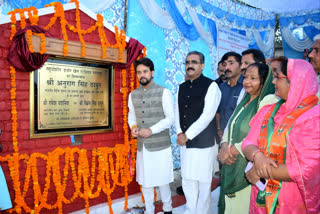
point(299, 171)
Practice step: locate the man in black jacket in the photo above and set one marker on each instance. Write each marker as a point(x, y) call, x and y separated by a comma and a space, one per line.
point(198, 100)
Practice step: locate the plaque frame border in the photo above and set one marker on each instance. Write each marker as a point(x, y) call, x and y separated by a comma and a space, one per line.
point(73, 132)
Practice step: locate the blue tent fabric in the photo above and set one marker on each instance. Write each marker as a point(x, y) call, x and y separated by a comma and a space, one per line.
point(264, 23)
point(195, 3)
point(315, 17)
point(206, 7)
point(284, 21)
point(257, 24)
point(311, 31)
point(213, 30)
point(290, 53)
point(248, 22)
point(299, 20)
point(306, 22)
point(187, 30)
point(202, 19)
point(220, 13)
point(254, 45)
point(231, 17)
point(239, 21)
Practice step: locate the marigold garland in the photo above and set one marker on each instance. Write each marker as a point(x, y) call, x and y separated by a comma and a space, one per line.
point(111, 172)
point(13, 23)
point(14, 118)
point(33, 17)
point(59, 13)
point(114, 166)
point(144, 52)
point(132, 76)
point(79, 31)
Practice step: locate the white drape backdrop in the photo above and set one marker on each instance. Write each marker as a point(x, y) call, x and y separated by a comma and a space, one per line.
point(267, 47)
point(206, 36)
point(162, 19)
point(158, 16)
point(293, 42)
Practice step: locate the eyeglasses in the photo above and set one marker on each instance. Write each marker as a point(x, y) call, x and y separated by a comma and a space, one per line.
point(192, 62)
point(277, 77)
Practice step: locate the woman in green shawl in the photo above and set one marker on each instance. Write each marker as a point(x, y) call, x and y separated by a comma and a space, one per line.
point(235, 189)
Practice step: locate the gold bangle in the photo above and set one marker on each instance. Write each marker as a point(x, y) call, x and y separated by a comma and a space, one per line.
point(134, 126)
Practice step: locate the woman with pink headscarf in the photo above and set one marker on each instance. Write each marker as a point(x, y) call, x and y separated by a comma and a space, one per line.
point(284, 145)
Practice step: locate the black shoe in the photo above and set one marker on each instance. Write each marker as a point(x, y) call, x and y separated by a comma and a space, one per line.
point(170, 212)
point(179, 190)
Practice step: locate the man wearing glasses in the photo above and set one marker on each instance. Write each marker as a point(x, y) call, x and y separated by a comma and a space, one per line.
point(197, 102)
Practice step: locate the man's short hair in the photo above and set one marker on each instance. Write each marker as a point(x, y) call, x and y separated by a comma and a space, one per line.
point(257, 55)
point(234, 54)
point(201, 56)
point(144, 61)
point(220, 62)
point(316, 37)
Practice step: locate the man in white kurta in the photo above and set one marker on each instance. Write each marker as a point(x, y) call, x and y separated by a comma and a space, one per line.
point(197, 103)
point(154, 166)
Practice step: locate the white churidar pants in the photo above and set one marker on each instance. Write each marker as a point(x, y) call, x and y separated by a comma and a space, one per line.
point(155, 169)
point(165, 194)
point(196, 170)
point(198, 196)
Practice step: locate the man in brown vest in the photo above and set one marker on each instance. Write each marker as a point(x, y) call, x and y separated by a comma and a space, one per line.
point(150, 116)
